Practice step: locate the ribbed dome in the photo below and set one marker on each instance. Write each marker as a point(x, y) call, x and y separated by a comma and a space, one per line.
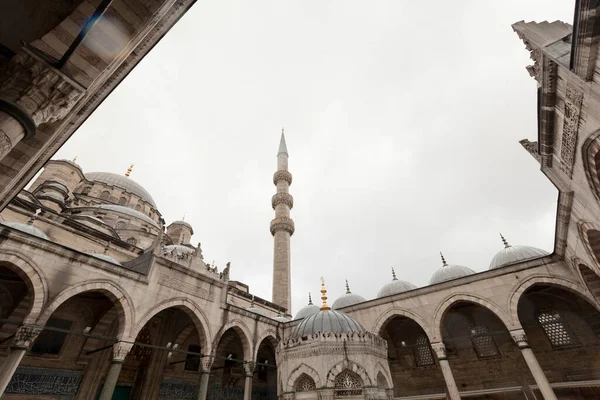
point(105, 257)
point(395, 287)
point(178, 249)
point(449, 272)
point(123, 182)
point(307, 310)
point(128, 211)
point(512, 254)
point(327, 321)
point(30, 229)
point(348, 299)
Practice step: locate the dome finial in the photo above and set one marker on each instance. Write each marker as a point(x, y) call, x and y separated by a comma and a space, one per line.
point(324, 307)
point(347, 287)
point(74, 159)
point(309, 299)
point(183, 218)
point(506, 245)
point(444, 263)
point(394, 278)
point(129, 170)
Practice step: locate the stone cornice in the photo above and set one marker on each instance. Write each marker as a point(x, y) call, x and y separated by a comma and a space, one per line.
point(282, 176)
point(282, 224)
point(282, 198)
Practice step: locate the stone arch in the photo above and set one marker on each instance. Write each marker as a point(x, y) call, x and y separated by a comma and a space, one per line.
point(350, 366)
point(590, 155)
point(401, 312)
point(520, 288)
point(381, 372)
point(111, 290)
point(33, 278)
point(590, 236)
point(191, 309)
point(469, 298)
point(243, 332)
point(298, 372)
point(588, 276)
point(270, 335)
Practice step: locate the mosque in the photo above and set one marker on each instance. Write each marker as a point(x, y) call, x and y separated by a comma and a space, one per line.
point(100, 298)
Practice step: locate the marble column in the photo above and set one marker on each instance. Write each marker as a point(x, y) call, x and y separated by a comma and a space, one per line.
point(249, 373)
point(32, 92)
point(520, 339)
point(205, 365)
point(120, 350)
point(440, 352)
point(24, 338)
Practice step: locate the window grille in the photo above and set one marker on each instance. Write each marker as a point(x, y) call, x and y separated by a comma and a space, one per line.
point(556, 330)
point(121, 225)
point(422, 351)
point(132, 241)
point(305, 384)
point(348, 384)
point(483, 343)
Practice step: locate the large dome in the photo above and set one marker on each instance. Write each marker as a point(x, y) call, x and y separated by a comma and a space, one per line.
point(348, 299)
point(326, 321)
point(512, 254)
point(395, 286)
point(449, 272)
point(307, 310)
point(123, 182)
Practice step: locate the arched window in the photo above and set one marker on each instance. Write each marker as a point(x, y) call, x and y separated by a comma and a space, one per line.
point(305, 384)
point(559, 334)
point(122, 201)
point(86, 190)
point(422, 351)
point(483, 343)
point(105, 195)
point(348, 383)
point(121, 225)
point(381, 381)
point(138, 207)
point(132, 241)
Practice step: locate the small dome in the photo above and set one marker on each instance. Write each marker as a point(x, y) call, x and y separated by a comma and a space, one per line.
point(178, 249)
point(105, 257)
point(512, 254)
point(181, 222)
point(307, 310)
point(449, 272)
point(56, 185)
point(395, 286)
point(326, 321)
point(30, 229)
point(127, 211)
point(123, 182)
point(348, 299)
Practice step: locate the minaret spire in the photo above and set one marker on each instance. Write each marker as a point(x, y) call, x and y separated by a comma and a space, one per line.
point(347, 287)
point(444, 263)
point(282, 228)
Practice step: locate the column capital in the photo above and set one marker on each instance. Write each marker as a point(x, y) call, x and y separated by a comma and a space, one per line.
point(206, 364)
point(249, 368)
point(120, 350)
point(325, 394)
point(440, 350)
point(25, 336)
point(520, 338)
point(389, 393)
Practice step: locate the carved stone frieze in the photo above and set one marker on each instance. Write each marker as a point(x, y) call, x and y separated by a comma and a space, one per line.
point(282, 198)
point(25, 336)
point(249, 368)
point(120, 350)
point(572, 112)
point(282, 224)
point(282, 176)
point(189, 288)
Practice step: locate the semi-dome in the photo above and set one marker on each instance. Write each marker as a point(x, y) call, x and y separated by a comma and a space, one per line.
point(307, 310)
point(30, 229)
point(348, 299)
point(395, 286)
point(512, 254)
point(123, 182)
point(178, 249)
point(128, 211)
point(449, 272)
point(105, 257)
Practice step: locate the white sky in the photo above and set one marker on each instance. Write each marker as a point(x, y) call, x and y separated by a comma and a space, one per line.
point(402, 123)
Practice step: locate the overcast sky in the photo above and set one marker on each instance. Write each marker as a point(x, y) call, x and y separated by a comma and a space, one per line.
point(402, 123)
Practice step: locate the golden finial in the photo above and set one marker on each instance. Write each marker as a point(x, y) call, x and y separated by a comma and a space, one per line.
point(444, 263)
point(506, 245)
point(324, 307)
point(74, 159)
point(394, 275)
point(129, 170)
point(347, 287)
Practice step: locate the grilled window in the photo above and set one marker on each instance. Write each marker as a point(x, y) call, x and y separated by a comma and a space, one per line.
point(305, 384)
point(422, 351)
point(559, 334)
point(192, 361)
point(348, 384)
point(483, 343)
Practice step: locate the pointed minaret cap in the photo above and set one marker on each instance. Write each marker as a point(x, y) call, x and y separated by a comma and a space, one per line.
point(129, 170)
point(282, 145)
point(444, 263)
point(348, 288)
point(506, 245)
point(394, 275)
point(324, 307)
point(309, 299)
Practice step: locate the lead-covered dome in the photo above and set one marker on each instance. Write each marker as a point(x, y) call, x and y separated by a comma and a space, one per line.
point(396, 286)
point(327, 321)
point(123, 182)
point(127, 211)
point(512, 254)
point(449, 272)
point(307, 310)
point(348, 299)
point(29, 229)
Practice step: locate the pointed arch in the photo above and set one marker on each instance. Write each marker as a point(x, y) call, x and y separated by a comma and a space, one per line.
point(590, 237)
point(350, 366)
point(381, 371)
point(588, 276)
point(110, 289)
point(298, 371)
point(520, 288)
point(33, 277)
point(385, 317)
point(469, 298)
point(590, 155)
point(243, 332)
point(191, 309)
point(270, 335)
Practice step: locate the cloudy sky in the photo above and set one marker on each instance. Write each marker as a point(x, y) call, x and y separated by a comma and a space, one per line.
point(402, 124)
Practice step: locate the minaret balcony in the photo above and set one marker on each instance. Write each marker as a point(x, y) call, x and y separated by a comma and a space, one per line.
point(282, 175)
point(282, 198)
point(282, 224)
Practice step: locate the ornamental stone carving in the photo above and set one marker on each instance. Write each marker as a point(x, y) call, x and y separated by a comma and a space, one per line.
point(520, 338)
point(371, 393)
point(206, 364)
point(326, 394)
point(120, 350)
point(249, 368)
point(572, 111)
point(440, 350)
point(282, 176)
point(282, 224)
point(25, 336)
point(282, 198)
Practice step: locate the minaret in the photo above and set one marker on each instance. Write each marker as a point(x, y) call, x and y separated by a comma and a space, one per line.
point(282, 228)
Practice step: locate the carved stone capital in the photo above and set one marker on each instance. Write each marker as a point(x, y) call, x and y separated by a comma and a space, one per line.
point(325, 394)
point(249, 368)
point(282, 176)
point(440, 350)
point(42, 91)
point(282, 224)
point(120, 350)
point(282, 198)
point(25, 336)
point(520, 338)
point(371, 393)
point(389, 393)
point(206, 364)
